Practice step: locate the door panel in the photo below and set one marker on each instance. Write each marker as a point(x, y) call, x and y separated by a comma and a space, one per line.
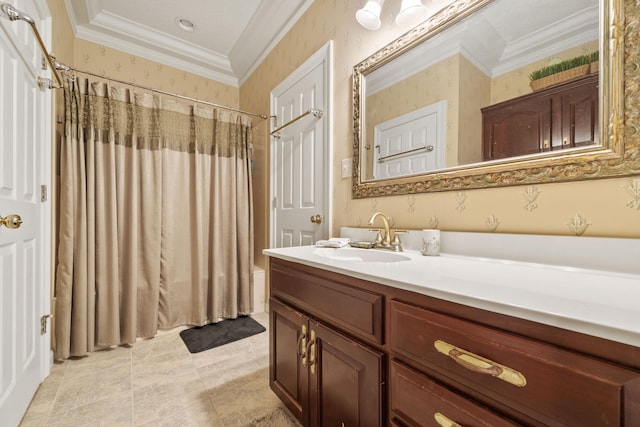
point(287, 377)
point(25, 135)
point(346, 387)
point(287, 162)
point(580, 117)
point(307, 171)
point(411, 143)
point(299, 159)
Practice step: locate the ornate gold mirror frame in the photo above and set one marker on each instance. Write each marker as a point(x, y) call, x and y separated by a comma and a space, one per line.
point(619, 154)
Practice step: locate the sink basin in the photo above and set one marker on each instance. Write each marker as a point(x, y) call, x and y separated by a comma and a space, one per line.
point(360, 255)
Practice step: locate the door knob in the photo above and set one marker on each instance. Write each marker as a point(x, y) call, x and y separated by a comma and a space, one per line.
point(316, 219)
point(11, 221)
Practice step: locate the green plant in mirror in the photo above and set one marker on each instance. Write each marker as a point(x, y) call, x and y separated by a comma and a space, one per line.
point(564, 66)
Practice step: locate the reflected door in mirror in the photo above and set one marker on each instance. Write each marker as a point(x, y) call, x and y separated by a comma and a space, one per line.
point(411, 143)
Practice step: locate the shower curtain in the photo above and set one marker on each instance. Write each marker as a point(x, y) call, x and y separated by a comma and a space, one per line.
point(155, 216)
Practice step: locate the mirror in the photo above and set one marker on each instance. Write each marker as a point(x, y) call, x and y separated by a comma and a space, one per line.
point(429, 108)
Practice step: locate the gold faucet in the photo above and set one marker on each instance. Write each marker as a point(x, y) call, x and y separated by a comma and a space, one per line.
point(385, 240)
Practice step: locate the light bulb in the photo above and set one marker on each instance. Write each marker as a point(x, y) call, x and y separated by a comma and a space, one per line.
point(411, 11)
point(369, 15)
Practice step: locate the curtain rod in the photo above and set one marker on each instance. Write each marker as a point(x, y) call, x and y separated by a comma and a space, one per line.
point(66, 68)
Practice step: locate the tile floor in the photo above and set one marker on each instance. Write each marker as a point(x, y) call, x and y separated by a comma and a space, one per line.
point(157, 382)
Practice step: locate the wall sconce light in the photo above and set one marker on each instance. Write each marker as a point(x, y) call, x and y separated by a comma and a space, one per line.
point(369, 15)
point(411, 10)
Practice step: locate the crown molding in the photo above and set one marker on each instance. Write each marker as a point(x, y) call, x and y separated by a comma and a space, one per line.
point(572, 31)
point(135, 47)
point(118, 33)
point(249, 51)
point(271, 21)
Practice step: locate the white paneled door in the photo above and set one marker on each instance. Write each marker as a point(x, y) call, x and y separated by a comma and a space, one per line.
point(412, 143)
point(25, 138)
point(299, 156)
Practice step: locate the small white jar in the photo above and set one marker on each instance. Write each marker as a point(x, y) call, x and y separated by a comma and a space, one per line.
point(430, 242)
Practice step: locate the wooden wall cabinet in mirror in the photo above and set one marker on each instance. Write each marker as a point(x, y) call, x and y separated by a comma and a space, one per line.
point(483, 51)
point(561, 117)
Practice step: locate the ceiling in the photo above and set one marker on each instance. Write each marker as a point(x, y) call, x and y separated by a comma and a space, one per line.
point(501, 37)
point(229, 38)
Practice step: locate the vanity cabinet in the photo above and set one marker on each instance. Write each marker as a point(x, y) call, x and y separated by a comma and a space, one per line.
point(419, 400)
point(324, 376)
point(539, 383)
point(560, 117)
point(415, 360)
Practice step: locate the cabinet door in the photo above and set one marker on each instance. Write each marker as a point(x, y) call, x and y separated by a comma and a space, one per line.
point(288, 377)
point(517, 128)
point(345, 381)
point(579, 117)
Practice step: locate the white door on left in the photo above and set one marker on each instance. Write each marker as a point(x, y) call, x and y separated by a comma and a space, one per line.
point(25, 140)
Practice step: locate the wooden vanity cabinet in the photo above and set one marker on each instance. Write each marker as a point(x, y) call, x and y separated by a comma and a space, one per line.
point(560, 117)
point(324, 376)
point(541, 384)
point(414, 360)
point(288, 376)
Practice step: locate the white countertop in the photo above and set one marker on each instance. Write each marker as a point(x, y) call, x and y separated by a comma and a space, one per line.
point(595, 302)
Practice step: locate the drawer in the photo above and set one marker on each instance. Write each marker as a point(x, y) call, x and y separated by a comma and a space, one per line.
point(528, 379)
point(351, 309)
point(418, 400)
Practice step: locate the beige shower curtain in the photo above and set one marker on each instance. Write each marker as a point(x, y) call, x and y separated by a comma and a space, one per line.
point(155, 216)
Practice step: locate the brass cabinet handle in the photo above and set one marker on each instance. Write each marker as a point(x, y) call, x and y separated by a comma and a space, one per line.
point(311, 351)
point(301, 345)
point(316, 219)
point(479, 364)
point(11, 221)
point(444, 421)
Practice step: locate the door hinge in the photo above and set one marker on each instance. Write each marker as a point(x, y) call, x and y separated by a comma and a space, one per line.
point(43, 324)
point(274, 202)
point(43, 193)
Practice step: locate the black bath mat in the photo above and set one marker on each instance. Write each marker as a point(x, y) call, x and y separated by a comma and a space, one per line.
point(206, 337)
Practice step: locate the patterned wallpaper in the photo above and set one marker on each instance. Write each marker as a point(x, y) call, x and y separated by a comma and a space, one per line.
point(123, 66)
point(608, 207)
point(475, 87)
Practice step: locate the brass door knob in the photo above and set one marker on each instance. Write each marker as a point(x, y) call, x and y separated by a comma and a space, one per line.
point(316, 219)
point(11, 221)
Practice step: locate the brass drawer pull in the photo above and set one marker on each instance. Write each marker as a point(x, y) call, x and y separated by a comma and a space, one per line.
point(301, 345)
point(479, 364)
point(444, 421)
point(311, 351)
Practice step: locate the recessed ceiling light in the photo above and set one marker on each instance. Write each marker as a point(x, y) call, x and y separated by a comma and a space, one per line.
point(185, 24)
